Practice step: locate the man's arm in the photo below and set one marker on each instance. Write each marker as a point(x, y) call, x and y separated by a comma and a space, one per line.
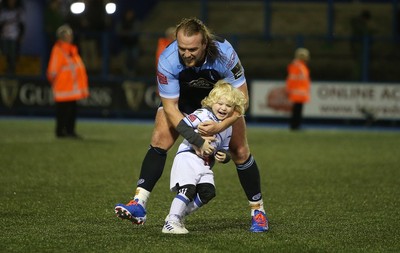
point(175, 117)
point(209, 128)
point(171, 110)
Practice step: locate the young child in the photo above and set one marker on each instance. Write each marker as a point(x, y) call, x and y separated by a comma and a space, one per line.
point(191, 174)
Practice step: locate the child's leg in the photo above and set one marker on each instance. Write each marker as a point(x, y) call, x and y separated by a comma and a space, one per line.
point(205, 192)
point(180, 202)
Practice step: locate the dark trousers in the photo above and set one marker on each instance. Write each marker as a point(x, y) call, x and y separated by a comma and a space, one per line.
point(297, 116)
point(10, 49)
point(65, 118)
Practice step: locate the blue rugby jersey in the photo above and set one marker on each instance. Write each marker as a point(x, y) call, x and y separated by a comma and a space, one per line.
point(193, 84)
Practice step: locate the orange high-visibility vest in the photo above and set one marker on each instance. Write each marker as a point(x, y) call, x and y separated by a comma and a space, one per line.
point(298, 82)
point(161, 45)
point(67, 73)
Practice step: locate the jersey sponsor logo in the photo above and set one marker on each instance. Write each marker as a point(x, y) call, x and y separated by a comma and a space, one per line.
point(204, 79)
point(231, 60)
point(237, 70)
point(201, 83)
point(162, 79)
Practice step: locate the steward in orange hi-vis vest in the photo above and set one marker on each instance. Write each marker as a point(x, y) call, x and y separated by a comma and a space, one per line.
point(163, 42)
point(298, 86)
point(67, 73)
point(298, 79)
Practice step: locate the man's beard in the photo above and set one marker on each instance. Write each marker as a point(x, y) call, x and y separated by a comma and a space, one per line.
point(190, 62)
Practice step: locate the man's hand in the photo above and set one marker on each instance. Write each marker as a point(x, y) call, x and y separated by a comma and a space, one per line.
point(209, 128)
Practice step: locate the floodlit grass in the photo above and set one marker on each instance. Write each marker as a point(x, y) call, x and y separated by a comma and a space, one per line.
point(325, 191)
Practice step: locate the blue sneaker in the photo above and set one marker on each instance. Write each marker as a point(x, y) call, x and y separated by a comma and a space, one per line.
point(132, 211)
point(259, 222)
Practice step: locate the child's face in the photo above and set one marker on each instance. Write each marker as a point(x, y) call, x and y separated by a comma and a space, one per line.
point(222, 109)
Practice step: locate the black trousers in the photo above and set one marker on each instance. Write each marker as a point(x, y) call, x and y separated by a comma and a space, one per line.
point(297, 116)
point(65, 118)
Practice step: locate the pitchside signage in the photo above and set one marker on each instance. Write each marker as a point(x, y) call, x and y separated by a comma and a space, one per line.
point(329, 100)
point(125, 98)
point(25, 96)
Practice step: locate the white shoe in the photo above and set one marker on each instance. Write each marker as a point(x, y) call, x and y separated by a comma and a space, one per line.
point(174, 227)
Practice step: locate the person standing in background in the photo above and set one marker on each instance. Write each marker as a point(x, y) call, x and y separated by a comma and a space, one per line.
point(12, 29)
point(298, 85)
point(67, 75)
point(163, 42)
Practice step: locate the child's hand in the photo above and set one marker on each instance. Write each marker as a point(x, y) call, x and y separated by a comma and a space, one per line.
point(220, 156)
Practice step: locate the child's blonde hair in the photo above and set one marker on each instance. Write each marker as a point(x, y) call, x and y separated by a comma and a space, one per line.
point(232, 95)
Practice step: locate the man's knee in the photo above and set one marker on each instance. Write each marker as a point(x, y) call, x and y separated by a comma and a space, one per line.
point(239, 148)
point(240, 154)
point(163, 136)
point(206, 192)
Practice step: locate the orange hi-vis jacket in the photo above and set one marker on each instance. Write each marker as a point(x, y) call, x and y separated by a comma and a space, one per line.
point(298, 82)
point(67, 73)
point(161, 45)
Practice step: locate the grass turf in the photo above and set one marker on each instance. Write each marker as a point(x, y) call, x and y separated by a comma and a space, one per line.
point(324, 191)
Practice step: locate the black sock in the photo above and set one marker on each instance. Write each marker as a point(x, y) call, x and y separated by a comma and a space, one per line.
point(152, 168)
point(249, 177)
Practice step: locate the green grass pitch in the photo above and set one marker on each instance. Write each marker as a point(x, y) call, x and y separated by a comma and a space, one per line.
point(324, 191)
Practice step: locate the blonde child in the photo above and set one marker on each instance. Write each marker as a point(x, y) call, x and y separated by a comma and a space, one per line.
point(191, 175)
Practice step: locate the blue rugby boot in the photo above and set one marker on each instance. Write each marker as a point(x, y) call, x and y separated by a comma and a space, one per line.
point(259, 222)
point(132, 211)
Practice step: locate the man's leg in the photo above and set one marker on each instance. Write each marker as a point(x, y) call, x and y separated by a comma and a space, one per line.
point(151, 171)
point(61, 114)
point(71, 118)
point(152, 168)
point(295, 120)
point(249, 176)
